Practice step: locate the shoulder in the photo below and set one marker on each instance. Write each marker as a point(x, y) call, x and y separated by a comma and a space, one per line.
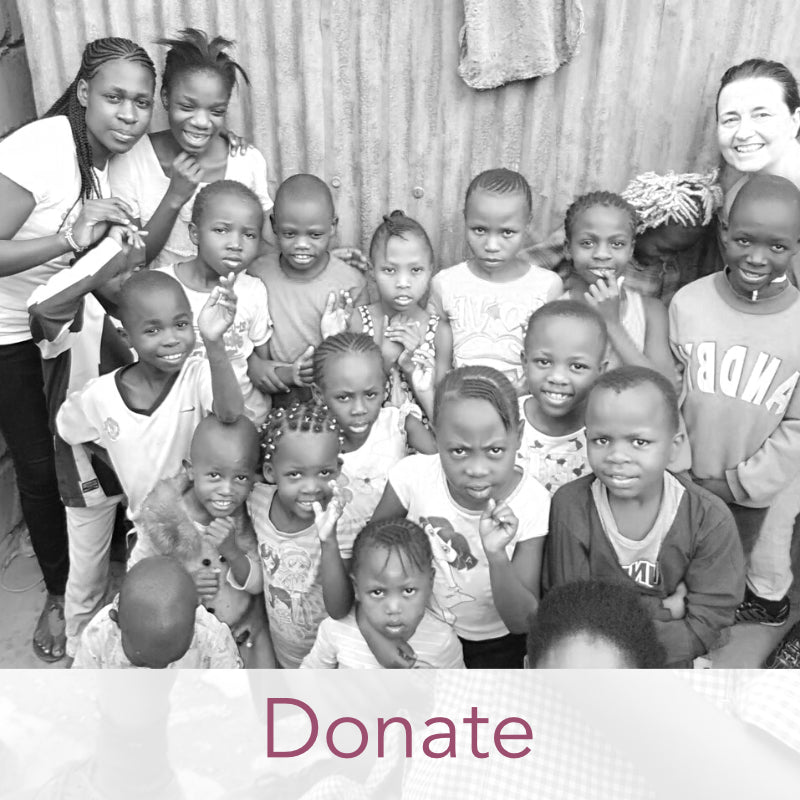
point(453, 273)
point(249, 289)
point(339, 271)
point(45, 133)
point(573, 496)
point(266, 268)
point(701, 288)
point(416, 468)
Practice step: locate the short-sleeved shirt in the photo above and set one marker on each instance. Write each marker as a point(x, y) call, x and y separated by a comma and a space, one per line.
point(40, 157)
point(137, 178)
point(462, 589)
point(292, 586)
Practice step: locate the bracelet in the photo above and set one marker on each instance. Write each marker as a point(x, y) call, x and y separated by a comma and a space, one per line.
point(74, 246)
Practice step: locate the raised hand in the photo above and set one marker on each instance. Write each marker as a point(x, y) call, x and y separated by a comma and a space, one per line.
point(326, 519)
point(303, 368)
point(96, 216)
point(423, 364)
point(497, 527)
point(237, 145)
point(337, 313)
point(352, 256)
point(219, 311)
point(605, 298)
point(185, 175)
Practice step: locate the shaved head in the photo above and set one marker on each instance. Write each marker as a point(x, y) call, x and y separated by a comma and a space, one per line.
point(304, 189)
point(144, 284)
point(768, 189)
point(239, 437)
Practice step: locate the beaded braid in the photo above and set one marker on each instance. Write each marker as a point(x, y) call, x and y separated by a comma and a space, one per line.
point(95, 54)
point(307, 417)
point(400, 225)
point(501, 181)
point(479, 383)
point(395, 535)
point(604, 199)
point(345, 342)
point(688, 199)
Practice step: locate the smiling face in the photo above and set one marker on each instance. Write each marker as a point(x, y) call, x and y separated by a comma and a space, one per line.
point(119, 103)
point(196, 105)
point(496, 225)
point(755, 128)
point(404, 273)
point(303, 226)
point(600, 243)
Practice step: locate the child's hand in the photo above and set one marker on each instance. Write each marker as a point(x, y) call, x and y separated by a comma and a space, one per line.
point(605, 298)
point(423, 364)
point(221, 535)
point(337, 313)
point(96, 216)
point(353, 257)
point(237, 145)
point(498, 526)
point(405, 332)
point(128, 237)
point(185, 176)
point(326, 520)
point(264, 375)
point(207, 582)
point(303, 368)
point(217, 314)
point(676, 602)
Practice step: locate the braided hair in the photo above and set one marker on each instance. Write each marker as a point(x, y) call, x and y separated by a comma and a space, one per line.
point(399, 225)
point(401, 536)
point(688, 199)
point(604, 199)
point(95, 54)
point(479, 383)
point(501, 181)
point(310, 417)
point(192, 51)
point(346, 342)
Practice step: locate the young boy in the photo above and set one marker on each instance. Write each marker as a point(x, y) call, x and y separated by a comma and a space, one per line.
point(144, 414)
point(155, 622)
point(633, 521)
point(736, 334)
point(563, 355)
point(301, 279)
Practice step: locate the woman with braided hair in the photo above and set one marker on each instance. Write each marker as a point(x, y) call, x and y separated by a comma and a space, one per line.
point(55, 202)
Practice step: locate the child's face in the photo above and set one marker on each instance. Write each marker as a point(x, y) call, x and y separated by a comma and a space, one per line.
point(391, 592)
point(353, 389)
point(196, 105)
point(303, 227)
point(228, 234)
point(302, 467)
point(404, 273)
point(655, 245)
point(761, 238)
point(159, 329)
point(600, 243)
point(496, 225)
point(630, 440)
point(476, 450)
point(582, 651)
point(562, 363)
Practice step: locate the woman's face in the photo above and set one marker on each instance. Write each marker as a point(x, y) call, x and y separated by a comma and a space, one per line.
point(755, 128)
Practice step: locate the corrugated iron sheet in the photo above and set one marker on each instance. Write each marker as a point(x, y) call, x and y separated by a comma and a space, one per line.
point(365, 94)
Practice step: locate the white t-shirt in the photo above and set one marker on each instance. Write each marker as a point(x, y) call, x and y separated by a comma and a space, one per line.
point(143, 447)
point(251, 327)
point(340, 645)
point(461, 587)
point(137, 177)
point(489, 319)
point(40, 157)
point(552, 460)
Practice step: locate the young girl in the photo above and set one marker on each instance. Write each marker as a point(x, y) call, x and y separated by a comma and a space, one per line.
point(485, 519)
point(600, 229)
point(303, 562)
point(392, 573)
point(160, 176)
point(403, 265)
point(488, 298)
point(348, 373)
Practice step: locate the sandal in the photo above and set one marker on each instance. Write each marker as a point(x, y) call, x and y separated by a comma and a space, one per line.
point(52, 627)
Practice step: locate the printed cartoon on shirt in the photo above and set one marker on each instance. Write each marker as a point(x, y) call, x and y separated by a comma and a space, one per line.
point(451, 551)
point(557, 466)
point(291, 576)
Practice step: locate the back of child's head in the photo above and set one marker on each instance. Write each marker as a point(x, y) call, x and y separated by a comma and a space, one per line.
point(211, 435)
point(192, 51)
point(345, 343)
point(309, 417)
point(403, 227)
point(478, 383)
point(401, 536)
point(593, 199)
point(609, 616)
point(304, 188)
point(581, 313)
point(501, 181)
point(141, 287)
point(232, 191)
point(629, 377)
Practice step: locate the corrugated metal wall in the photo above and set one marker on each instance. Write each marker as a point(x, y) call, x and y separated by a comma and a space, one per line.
point(365, 93)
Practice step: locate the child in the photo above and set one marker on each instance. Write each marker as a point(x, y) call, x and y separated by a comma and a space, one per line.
point(488, 298)
point(600, 228)
point(301, 279)
point(303, 562)
point(673, 212)
point(160, 176)
point(225, 228)
point(156, 623)
point(595, 625)
point(564, 353)
point(145, 414)
point(735, 332)
point(198, 518)
point(403, 265)
point(392, 574)
point(486, 520)
point(633, 522)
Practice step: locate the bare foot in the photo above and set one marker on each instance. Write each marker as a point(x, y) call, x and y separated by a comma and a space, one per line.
point(50, 638)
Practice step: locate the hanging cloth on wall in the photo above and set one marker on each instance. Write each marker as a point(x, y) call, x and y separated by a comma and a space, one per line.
point(510, 40)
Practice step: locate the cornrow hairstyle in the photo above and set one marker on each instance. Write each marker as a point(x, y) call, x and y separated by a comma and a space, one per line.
point(631, 377)
point(611, 612)
point(592, 199)
point(689, 199)
point(192, 51)
point(571, 309)
point(402, 536)
point(345, 342)
point(501, 181)
point(95, 54)
point(224, 187)
point(479, 383)
point(399, 225)
point(761, 68)
point(311, 416)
